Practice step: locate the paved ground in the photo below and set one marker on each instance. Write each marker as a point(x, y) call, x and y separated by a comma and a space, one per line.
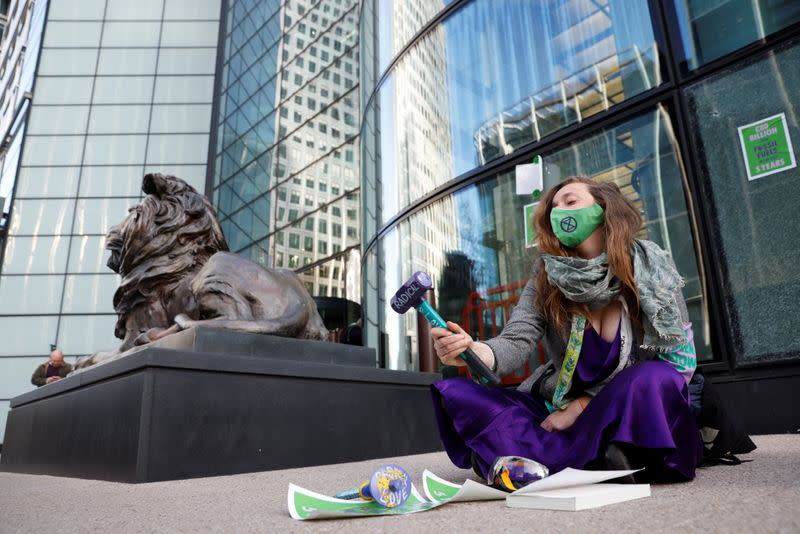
point(759, 496)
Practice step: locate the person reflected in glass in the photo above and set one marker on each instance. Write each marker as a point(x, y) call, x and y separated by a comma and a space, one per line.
point(53, 370)
point(609, 311)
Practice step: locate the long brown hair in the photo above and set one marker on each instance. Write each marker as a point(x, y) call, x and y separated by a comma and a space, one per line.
point(622, 222)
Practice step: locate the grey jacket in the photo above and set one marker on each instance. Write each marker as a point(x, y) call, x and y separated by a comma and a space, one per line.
point(527, 326)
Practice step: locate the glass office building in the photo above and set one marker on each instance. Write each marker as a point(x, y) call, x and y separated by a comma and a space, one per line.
point(648, 95)
point(121, 88)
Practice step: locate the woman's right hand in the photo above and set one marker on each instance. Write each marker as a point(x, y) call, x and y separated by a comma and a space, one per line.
point(450, 343)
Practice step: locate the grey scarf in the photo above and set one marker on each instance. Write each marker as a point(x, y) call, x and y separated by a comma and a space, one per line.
point(591, 282)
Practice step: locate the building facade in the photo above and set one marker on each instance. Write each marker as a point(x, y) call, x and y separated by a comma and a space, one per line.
point(120, 89)
point(655, 96)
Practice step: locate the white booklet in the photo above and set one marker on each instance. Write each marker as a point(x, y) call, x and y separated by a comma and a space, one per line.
point(575, 489)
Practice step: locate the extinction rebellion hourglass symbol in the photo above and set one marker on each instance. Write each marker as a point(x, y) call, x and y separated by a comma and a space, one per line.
point(569, 224)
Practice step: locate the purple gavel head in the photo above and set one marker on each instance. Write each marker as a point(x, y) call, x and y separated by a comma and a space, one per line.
point(411, 293)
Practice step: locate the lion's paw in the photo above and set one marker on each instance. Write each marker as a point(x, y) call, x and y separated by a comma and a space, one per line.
point(184, 321)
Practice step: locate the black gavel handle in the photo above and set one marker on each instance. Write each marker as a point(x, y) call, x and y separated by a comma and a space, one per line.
point(479, 369)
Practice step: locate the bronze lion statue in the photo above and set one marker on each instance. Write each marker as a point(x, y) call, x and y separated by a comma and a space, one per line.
point(177, 272)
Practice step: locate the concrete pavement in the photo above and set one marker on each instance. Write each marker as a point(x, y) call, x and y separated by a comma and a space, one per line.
point(758, 496)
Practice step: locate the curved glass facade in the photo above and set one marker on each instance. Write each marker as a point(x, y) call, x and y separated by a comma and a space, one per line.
point(472, 242)
point(491, 78)
point(488, 81)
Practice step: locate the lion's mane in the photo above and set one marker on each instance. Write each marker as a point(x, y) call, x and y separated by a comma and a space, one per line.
point(164, 240)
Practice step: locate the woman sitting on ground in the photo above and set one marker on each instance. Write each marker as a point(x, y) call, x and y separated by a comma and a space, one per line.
point(614, 325)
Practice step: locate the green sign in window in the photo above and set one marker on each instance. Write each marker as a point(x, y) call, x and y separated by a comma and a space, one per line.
point(767, 147)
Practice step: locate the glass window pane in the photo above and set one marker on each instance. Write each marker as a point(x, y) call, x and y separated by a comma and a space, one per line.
point(72, 10)
point(181, 118)
point(194, 175)
point(85, 293)
point(123, 90)
point(97, 215)
point(38, 182)
point(710, 30)
point(67, 62)
point(27, 336)
point(185, 33)
point(35, 255)
point(755, 228)
point(191, 9)
point(138, 10)
point(132, 61)
point(187, 61)
point(343, 231)
point(537, 68)
point(190, 148)
point(336, 278)
point(42, 217)
point(34, 294)
point(52, 150)
point(129, 119)
point(114, 149)
point(72, 34)
point(176, 89)
point(58, 120)
point(116, 181)
point(396, 28)
point(63, 90)
point(81, 335)
point(88, 254)
point(16, 373)
point(131, 34)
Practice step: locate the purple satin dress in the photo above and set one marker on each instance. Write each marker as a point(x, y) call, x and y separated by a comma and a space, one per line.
point(645, 405)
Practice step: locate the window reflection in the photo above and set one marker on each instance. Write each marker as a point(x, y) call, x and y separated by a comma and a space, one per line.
point(38, 182)
point(97, 333)
point(710, 30)
point(33, 294)
point(312, 237)
point(35, 255)
point(472, 243)
point(459, 99)
point(89, 293)
point(338, 278)
point(16, 335)
point(286, 170)
point(42, 217)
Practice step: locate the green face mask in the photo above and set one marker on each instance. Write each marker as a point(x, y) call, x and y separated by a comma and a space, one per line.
point(572, 227)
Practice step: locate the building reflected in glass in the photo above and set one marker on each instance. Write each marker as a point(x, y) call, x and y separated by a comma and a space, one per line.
point(286, 173)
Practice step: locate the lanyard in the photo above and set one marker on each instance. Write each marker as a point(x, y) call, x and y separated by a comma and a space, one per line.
point(570, 363)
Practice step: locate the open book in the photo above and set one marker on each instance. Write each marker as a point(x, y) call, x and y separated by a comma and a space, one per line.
point(575, 489)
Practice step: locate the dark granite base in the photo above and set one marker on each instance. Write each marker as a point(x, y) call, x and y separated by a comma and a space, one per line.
point(218, 341)
point(165, 414)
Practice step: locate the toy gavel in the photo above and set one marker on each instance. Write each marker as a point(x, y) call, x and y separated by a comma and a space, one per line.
point(389, 486)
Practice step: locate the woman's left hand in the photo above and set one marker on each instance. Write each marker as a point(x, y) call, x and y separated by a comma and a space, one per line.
point(561, 419)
